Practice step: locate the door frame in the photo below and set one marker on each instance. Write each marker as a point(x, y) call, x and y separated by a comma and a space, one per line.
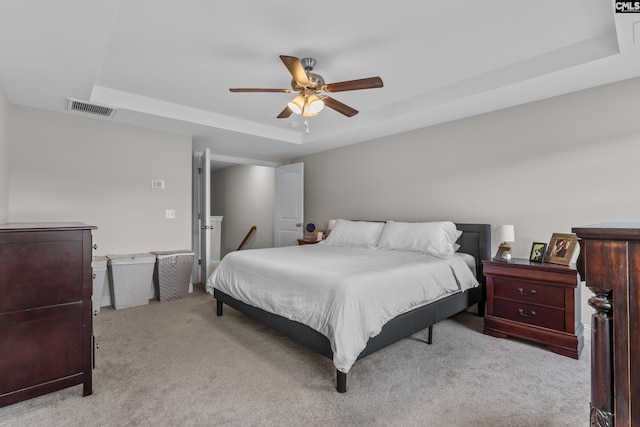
point(195, 198)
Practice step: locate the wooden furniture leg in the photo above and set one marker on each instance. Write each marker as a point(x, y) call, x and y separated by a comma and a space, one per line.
point(601, 357)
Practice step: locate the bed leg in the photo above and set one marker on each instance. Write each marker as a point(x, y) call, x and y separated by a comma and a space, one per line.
point(218, 308)
point(341, 380)
point(430, 335)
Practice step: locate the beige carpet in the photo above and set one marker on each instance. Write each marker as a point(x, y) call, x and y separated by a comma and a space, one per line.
point(176, 364)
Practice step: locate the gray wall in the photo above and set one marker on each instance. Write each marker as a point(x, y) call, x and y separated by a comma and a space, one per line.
point(4, 156)
point(67, 167)
point(544, 167)
point(244, 195)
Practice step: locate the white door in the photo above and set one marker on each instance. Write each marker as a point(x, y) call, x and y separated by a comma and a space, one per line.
point(204, 210)
point(289, 214)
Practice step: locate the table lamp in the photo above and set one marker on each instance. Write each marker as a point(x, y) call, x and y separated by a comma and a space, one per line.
point(506, 235)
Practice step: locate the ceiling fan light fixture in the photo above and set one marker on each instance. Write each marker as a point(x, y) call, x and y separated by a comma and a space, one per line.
point(297, 104)
point(314, 104)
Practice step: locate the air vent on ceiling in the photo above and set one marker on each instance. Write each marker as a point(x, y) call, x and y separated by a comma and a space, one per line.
point(89, 108)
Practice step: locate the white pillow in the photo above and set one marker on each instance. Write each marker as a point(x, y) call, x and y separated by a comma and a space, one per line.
point(428, 237)
point(355, 233)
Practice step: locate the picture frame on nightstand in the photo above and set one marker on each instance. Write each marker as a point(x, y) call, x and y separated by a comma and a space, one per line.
point(538, 250)
point(561, 248)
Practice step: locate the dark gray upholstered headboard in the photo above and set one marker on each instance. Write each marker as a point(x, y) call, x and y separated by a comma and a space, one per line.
point(476, 241)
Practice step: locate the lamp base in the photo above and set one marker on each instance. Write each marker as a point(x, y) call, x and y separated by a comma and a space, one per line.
point(503, 250)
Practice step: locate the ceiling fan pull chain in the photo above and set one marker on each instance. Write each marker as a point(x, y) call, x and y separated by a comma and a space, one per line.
point(306, 125)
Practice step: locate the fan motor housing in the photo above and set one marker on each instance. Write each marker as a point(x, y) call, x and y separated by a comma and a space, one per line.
point(316, 81)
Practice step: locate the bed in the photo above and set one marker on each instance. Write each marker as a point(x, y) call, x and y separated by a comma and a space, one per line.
point(362, 289)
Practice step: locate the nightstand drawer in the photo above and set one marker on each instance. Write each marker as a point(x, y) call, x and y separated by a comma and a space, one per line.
point(530, 314)
point(529, 292)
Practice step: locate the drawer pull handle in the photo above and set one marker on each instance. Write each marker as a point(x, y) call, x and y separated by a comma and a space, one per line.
point(533, 292)
point(522, 313)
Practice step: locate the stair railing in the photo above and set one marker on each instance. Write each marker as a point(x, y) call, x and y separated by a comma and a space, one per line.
point(245, 241)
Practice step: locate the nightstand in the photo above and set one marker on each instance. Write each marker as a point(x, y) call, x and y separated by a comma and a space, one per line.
point(308, 241)
point(538, 302)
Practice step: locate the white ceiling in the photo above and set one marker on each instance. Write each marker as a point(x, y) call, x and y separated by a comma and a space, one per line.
point(168, 65)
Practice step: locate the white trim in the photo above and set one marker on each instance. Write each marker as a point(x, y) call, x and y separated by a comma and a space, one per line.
point(239, 160)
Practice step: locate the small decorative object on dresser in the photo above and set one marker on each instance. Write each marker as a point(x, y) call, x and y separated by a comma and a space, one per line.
point(561, 248)
point(536, 302)
point(537, 251)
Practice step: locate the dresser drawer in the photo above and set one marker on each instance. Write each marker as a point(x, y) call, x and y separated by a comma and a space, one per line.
point(40, 269)
point(528, 292)
point(48, 342)
point(530, 314)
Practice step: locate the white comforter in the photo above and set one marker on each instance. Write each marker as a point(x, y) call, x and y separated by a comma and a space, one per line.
point(345, 293)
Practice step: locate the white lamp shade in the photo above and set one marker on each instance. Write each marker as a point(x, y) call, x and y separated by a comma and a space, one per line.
point(314, 104)
point(296, 104)
point(506, 233)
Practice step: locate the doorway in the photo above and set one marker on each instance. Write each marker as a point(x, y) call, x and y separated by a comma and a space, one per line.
point(242, 191)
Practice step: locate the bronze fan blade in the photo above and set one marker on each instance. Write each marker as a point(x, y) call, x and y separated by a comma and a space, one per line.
point(339, 106)
point(368, 83)
point(285, 113)
point(253, 89)
point(296, 69)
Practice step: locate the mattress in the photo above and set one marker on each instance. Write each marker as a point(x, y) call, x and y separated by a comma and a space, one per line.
point(346, 293)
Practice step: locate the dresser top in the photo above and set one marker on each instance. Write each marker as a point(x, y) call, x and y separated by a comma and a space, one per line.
point(609, 230)
point(15, 226)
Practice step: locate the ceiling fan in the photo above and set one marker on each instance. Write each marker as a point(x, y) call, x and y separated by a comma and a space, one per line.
point(310, 88)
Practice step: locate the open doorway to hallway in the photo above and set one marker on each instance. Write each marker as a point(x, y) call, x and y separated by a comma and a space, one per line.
point(241, 191)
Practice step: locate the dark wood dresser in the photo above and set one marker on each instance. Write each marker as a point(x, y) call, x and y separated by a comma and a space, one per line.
point(536, 302)
point(45, 309)
point(609, 261)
